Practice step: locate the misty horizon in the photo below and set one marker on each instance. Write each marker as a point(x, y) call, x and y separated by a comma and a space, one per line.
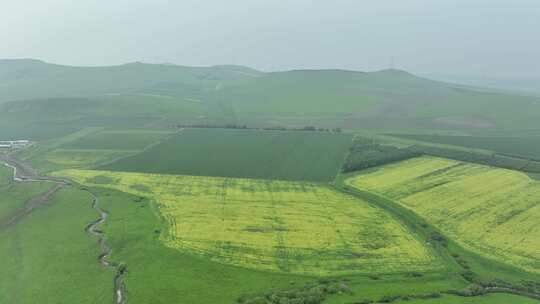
point(490, 38)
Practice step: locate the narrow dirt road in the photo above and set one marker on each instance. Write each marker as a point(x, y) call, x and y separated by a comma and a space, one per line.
point(24, 173)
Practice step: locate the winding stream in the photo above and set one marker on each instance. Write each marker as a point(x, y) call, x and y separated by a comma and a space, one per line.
point(106, 250)
point(91, 229)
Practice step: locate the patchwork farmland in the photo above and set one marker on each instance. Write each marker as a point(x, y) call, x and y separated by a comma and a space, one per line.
point(295, 227)
point(229, 185)
point(491, 211)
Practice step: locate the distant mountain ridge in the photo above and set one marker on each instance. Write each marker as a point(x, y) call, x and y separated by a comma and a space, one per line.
point(31, 79)
point(229, 94)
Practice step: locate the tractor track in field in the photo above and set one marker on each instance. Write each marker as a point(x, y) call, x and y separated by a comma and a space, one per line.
point(24, 173)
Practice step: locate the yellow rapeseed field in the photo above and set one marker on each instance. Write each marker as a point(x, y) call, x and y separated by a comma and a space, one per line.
point(295, 227)
point(495, 212)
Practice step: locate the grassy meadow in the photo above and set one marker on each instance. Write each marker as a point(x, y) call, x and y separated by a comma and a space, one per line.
point(243, 153)
point(292, 227)
point(487, 210)
point(92, 147)
point(51, 241)
point(14, 195)
point(135, 140)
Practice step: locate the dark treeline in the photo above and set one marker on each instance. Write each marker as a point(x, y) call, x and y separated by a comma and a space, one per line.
point(245, 127)
point(366, 153)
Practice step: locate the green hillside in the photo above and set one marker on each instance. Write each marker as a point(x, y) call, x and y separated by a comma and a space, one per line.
point(30, 79)
point(45, 99)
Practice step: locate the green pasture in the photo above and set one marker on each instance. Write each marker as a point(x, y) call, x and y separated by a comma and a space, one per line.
point(48, 257)
point(14, 195)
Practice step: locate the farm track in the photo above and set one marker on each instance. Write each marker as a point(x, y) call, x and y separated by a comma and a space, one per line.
point(24, 173)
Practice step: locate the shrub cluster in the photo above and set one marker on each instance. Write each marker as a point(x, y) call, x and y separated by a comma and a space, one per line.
point(309, 294)
point(390, 299)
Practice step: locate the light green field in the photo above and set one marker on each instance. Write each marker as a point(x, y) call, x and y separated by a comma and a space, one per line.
point(293, 227)
point(488, 210)
point(14, 195)
point(136, 139)
point(46, 256)
point(91, 147)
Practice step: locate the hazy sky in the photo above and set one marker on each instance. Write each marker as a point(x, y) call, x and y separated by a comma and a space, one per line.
point(478, 37)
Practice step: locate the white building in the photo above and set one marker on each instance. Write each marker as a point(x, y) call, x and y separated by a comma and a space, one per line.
point(14, 143)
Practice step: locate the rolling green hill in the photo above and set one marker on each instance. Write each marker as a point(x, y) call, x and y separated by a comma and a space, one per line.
point(40, 100)
point(31, 79)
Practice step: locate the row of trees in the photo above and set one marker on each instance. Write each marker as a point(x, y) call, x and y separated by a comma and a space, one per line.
point(245, 127)
point(365, 154)
point(495, 160)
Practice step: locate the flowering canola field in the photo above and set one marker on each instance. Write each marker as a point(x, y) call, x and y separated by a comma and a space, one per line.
point(494, 212)
point(295, 227)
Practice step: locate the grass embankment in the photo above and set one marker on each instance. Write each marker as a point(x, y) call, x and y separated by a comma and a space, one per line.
point(47, 256)
point(294, 227)
point(243, 154)
point(482, 208)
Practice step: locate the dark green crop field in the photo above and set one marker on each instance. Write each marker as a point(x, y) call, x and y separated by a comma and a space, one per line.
point(298, 155)
point(527, 146)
